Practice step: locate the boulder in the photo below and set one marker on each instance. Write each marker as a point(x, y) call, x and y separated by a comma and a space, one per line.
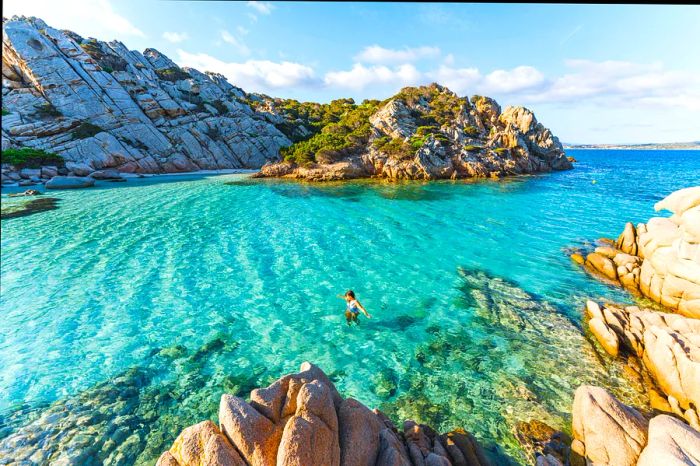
point(659, 259)
point(49, 172)
point(671, 443)
point(606, 432)
point(203, 444)
point(107, 174)
point(301, 419)
point(253, 435)
point(359, 430)
point(311, 435)
point(69, 182)
point(602, 264)
point(30, 173)
point(605, 336)
point(674, 361)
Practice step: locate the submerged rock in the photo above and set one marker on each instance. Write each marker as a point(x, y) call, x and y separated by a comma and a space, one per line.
point(33, 206)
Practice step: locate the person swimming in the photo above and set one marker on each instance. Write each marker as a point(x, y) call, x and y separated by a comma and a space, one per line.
point(352, 311)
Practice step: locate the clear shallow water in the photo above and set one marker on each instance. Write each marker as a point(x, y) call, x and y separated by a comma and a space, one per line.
point(476, 306)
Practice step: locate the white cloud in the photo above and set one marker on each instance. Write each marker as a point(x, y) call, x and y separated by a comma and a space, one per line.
point(240, 47)
point(622, 83)
point(518, 79)
point(360, 76)
point(242, 31)
point(381, 55)
point(95, 18)
point(459, 80)
point(264, 8)
point(175, 37)
point(253, 75)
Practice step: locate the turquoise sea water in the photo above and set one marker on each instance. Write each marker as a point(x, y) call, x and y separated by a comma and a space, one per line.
point(156, 297)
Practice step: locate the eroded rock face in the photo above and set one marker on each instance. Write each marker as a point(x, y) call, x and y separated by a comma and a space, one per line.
point(667, 344)
point(671, 443)
point(660, 259)
point(201, 444)
point(100, 106)
point(301, 420)
point(475, 140)
point(607, 432)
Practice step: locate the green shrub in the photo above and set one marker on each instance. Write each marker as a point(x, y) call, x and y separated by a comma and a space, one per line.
point(416, 142)
point(86, 130)
point(425, 130)
point(395, 148)
point(435, 105)
point(501, 150)
point(47, 110)
point(27, 157)
point(5, 111)
point(471, 148)
point(173, 74)
point(471, 130)
point(338, 129)
point(107, 69)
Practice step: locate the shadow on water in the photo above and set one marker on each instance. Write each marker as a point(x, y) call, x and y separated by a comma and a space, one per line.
point(30, 207)
point(353, 190)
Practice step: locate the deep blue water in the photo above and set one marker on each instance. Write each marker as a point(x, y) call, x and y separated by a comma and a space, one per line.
point(244, 275)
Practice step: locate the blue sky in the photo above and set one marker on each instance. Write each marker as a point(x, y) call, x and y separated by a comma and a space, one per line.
point(605, 74)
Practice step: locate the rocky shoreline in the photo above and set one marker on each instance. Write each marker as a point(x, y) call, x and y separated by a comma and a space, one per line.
point(98, 106)
point(301, 419)
point(660, 259)
point(410, 138)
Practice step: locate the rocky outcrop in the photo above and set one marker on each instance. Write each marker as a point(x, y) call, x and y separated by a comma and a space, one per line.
point(660, 259)
point(671, 443)
point(668, 346)
point(301, 420)
point(609, 433)
point(606, 432)
point(435, 134)
point(100, 105)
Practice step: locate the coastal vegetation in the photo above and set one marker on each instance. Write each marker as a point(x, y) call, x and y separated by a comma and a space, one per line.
point(27, 157)
point(341, 128)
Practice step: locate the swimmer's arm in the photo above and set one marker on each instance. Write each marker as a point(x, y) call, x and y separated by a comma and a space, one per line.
point(364, 311)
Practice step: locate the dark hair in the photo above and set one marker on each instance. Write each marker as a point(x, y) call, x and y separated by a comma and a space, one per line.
point(350, 293)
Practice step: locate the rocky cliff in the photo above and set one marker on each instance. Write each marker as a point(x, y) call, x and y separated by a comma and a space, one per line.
point(99, 105)
point(425, 133)
point(659, 259)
